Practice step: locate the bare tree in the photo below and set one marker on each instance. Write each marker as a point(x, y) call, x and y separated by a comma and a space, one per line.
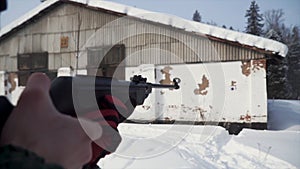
point(274, 19)
point(282, 81)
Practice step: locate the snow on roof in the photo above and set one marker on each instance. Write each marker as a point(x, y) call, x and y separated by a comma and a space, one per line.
point(177, 22)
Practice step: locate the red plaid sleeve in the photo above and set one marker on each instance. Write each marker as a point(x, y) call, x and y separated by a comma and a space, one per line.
point(109, 116)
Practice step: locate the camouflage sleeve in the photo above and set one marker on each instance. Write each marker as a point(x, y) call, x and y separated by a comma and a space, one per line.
point(12, 157)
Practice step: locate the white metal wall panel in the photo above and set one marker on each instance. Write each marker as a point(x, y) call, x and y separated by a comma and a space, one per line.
point(258, 90)
point(66, 60)
point(230, 95)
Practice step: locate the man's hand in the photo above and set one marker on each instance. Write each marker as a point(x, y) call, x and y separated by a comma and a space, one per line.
point(36, 125)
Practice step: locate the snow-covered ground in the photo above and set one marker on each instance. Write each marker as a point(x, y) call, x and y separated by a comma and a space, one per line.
point(210, 147)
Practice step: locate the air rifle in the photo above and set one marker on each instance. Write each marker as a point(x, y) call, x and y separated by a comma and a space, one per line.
point(82, 94)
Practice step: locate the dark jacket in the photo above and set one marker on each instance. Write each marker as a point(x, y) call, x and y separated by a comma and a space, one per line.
point(12, 157)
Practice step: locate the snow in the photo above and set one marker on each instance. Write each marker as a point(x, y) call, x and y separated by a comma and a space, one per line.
point(287, 119)
point(210, 147)
point(190, 26)
point(26, 17)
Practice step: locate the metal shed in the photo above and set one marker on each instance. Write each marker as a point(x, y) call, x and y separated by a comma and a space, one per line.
point(223, 71)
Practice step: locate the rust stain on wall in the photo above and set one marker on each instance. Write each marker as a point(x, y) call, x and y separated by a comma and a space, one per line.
point(202, 87)
point(233, 85)
point(253, 65)
point(168, 120)
point(201, 112)
point(64, 42)
point(166, 72)
point(259, 64)
point(246, 68)
point(246, 117)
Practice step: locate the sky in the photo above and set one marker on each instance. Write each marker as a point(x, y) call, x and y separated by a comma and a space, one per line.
point(221, 12)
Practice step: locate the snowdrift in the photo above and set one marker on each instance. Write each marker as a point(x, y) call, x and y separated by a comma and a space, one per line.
point(210, 147)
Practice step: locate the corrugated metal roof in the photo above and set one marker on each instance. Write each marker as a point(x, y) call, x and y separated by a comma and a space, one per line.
point(174, 21)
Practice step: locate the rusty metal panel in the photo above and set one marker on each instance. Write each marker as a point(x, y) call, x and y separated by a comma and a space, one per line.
point(100, 20)
point(36, 43)
point(44, 42)
point(28, 44)
point(134, 55)
point(211, 49)
point(56, 43)
point(84, 19)
point(3, 50)
point(8, 63)
point(53, 24)
point(3, 59)
point(175, 48)
point(82, 38)
point(73, 58)
point(50, 43)
point(57, 60)
point(202, 54)
point(37, 27)
point(89, 34)
point(65, 60)
point(65, 23)
point(215, 52)
point(70, 9)
point(11, 63)
point(51, 61)
point(72, 41)
point(141, 38)
point(11, 47)
point(22, 42)
point(194, 47)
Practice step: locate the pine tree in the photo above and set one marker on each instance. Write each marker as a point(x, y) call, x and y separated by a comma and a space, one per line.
point(254, 19)
point(283, 77)
point(294, 62)
point(277, 82)
point(277, 76)
point(197, 16)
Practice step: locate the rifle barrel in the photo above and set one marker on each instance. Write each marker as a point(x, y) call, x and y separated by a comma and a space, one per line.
point(163, 86)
